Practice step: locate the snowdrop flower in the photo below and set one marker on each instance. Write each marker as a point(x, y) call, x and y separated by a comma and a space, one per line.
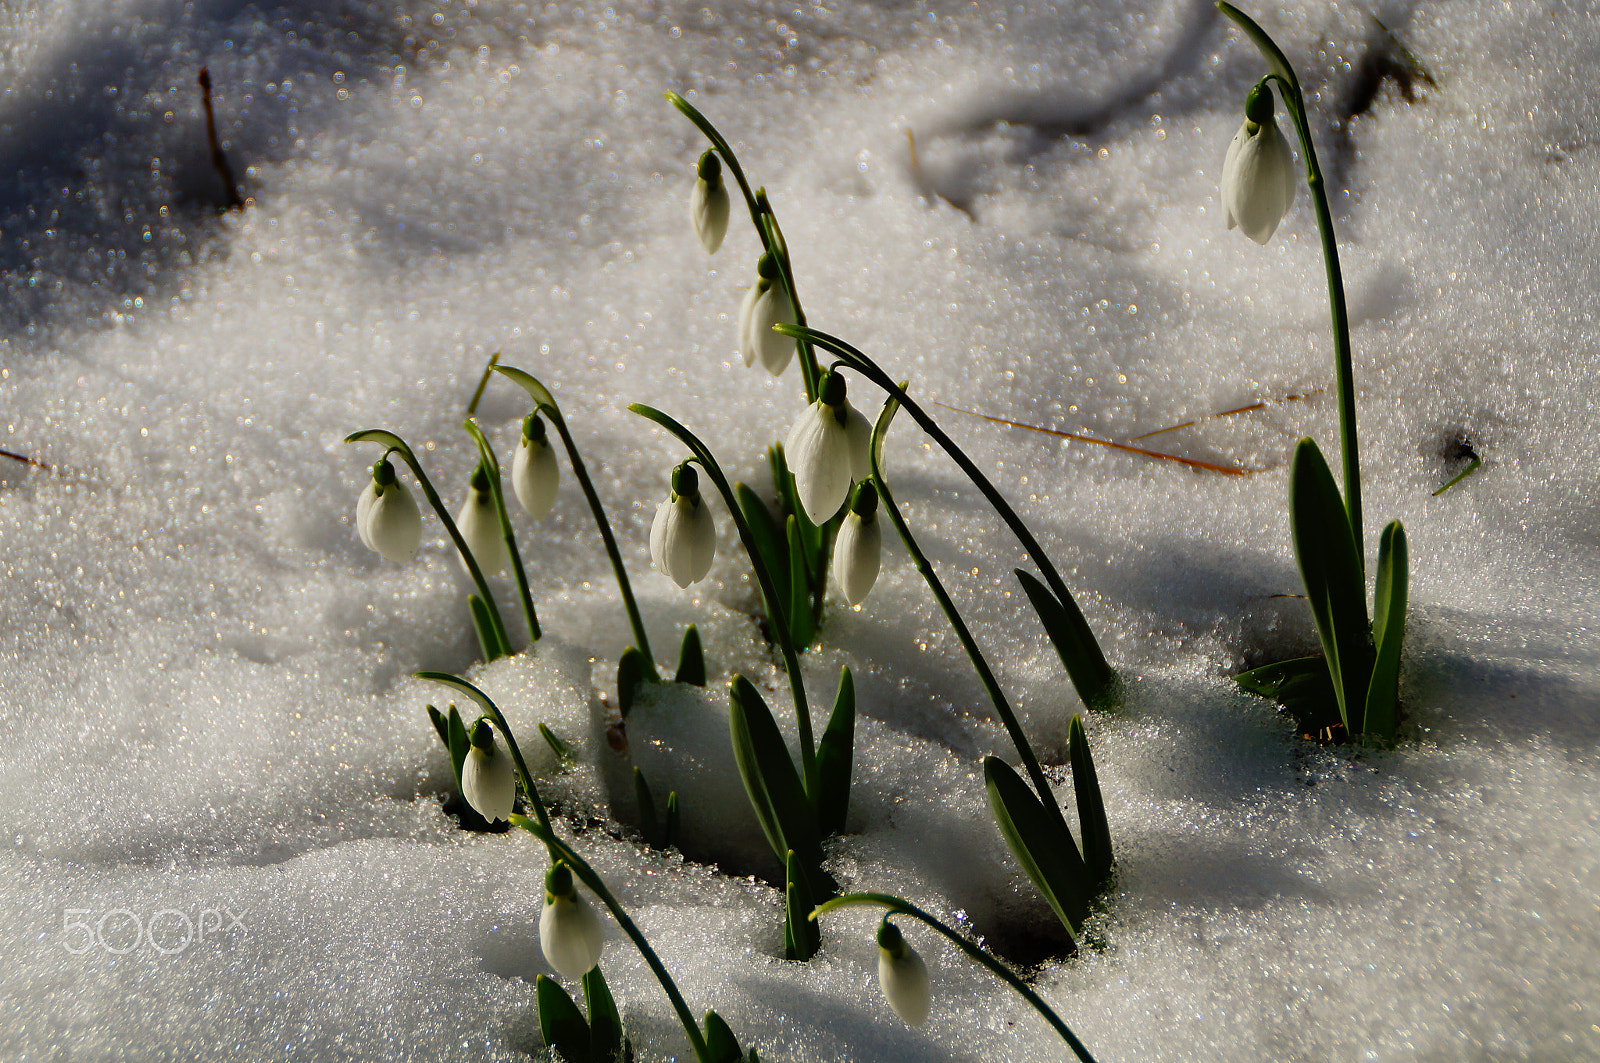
point(859, 545)
point(570, 935)
point(683, 538)
point(708, 203)
point(765, 305)
point(479, 524)
point(1258, 177)
point(386, 516)
point(534, 473)
point(488, 779)
point(902, 976)
point(827, 450)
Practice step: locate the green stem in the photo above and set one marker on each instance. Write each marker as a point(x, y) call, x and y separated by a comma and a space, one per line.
point(487, 704)
point(587, 874)
point(497, 493)
point(1104, 691)
point(398, 445)
point(483, 382)
point(546, 403)
point(775, 609)
point(992, 686)
point(897, 906)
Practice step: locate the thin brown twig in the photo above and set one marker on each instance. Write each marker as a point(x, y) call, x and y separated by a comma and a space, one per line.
point(218, 160)
point(25, 460)
point(1259, 404)
point(1193, 463)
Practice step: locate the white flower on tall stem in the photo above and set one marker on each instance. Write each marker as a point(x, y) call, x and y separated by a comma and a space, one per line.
point(766, 304)
point(902, 976)
point(1258, 178)
point(858, 549)
point(708, 203)
point(488, 778)
point(387, 519)
point(479, 524)
point(570, 934)
point(683, 537)
point(827, 450)
point(535, 476)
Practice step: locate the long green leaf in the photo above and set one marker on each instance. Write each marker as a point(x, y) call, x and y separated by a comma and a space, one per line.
point(440, 725)
point(1050, 860)
point(649, 825)
point(721, 1045)
point(1097, 857)
point(630, 673)
point(780, 803)
point(606, 1043)
point(801, 935)
point(770, 541)
point(1330, 570)
point(1388, 630)
point(458, 742)
point(1302, 686)
point(561, 1024)
point(1069, 632)
point(691, 659)
point(483, 626)
point(835, 758)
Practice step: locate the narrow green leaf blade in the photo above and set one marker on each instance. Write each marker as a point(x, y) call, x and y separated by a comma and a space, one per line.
point(798, 608)
point(802, 936)
point(835, 758)
point(1092, 677)
point(771, 543)
point(1388, 630)
point(563, 752)
point(672, 819)
point(606, 1044)
point(649, 825)
point(440, 725)
point(1051, 861)
point(721, 1045)
point(483, 627)
point(769, 776)
point(630, 673)
point(458, 742)
point(1097, 857)
point(1302, 686)
point(691, 659)
point(561, 1024)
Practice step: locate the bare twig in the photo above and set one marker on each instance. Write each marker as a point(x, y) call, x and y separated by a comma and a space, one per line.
point(218, 160)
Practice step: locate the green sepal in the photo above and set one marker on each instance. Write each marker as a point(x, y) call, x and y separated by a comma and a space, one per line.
point(798, 609)
point(561, 1024)
point(721, 1045)
point(771, 543)
point(1330, 569)
point(776, 795)
point(1301, 686)
point(458, 742)
point(1388, 630)
point(630, 673)
point(563, 752)
point(649, 825)
point(691, 659)
point(1092, 676)
point(488, 641)
point(1092, 822)
point(801, 935)
point(1035, 838)
point(835, 756)
point(606, 1043)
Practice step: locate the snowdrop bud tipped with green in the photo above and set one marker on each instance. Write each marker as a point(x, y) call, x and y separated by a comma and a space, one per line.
point(488, 779)
point(708, 203)
point(859, 546)
point(534, 473)
point(771, 307)
point(570, 935)
point(1258, 178)
point(386, 516)
point(902, 976)
point(683, 538)
point(479, 525)
point(827, 450)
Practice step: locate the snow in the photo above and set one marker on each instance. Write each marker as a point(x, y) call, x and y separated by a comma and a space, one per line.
point(207, 714)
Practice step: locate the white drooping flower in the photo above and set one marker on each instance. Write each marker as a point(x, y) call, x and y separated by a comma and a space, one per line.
point(902, 976)
point(1258, 177)
point(488, 778)
point(708, 203)
point(683, 537)
point(386, 516)
point(858, 548)
point(827, 450)
point(479, 525)
point(766, 304)
point(535, 476)
point(570, 934)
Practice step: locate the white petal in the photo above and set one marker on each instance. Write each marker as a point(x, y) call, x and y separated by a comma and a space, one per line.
point(535, 477)
point(683, 540)
point(819, 455)
point(747, 350)
point(489, 783)
point(1258, 181)
point(363, 507)
point(904, 981)
point(857, 553)
point(708, 210)
point(570, 936)
point(390, 523)
point(479, 525)
point(772, 308)
point(858, 436)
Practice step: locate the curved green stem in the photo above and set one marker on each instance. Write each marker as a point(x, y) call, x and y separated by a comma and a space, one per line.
point(1294, 102)
point(497, 493)
point(546, 404)
point(487, 704)
point(992, 686)
point(587, 875)
point(897, 906)
point(1103, 692)
point(775, 608)
point(399, 446)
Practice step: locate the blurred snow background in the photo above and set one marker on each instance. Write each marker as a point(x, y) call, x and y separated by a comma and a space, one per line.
point(205, 687)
